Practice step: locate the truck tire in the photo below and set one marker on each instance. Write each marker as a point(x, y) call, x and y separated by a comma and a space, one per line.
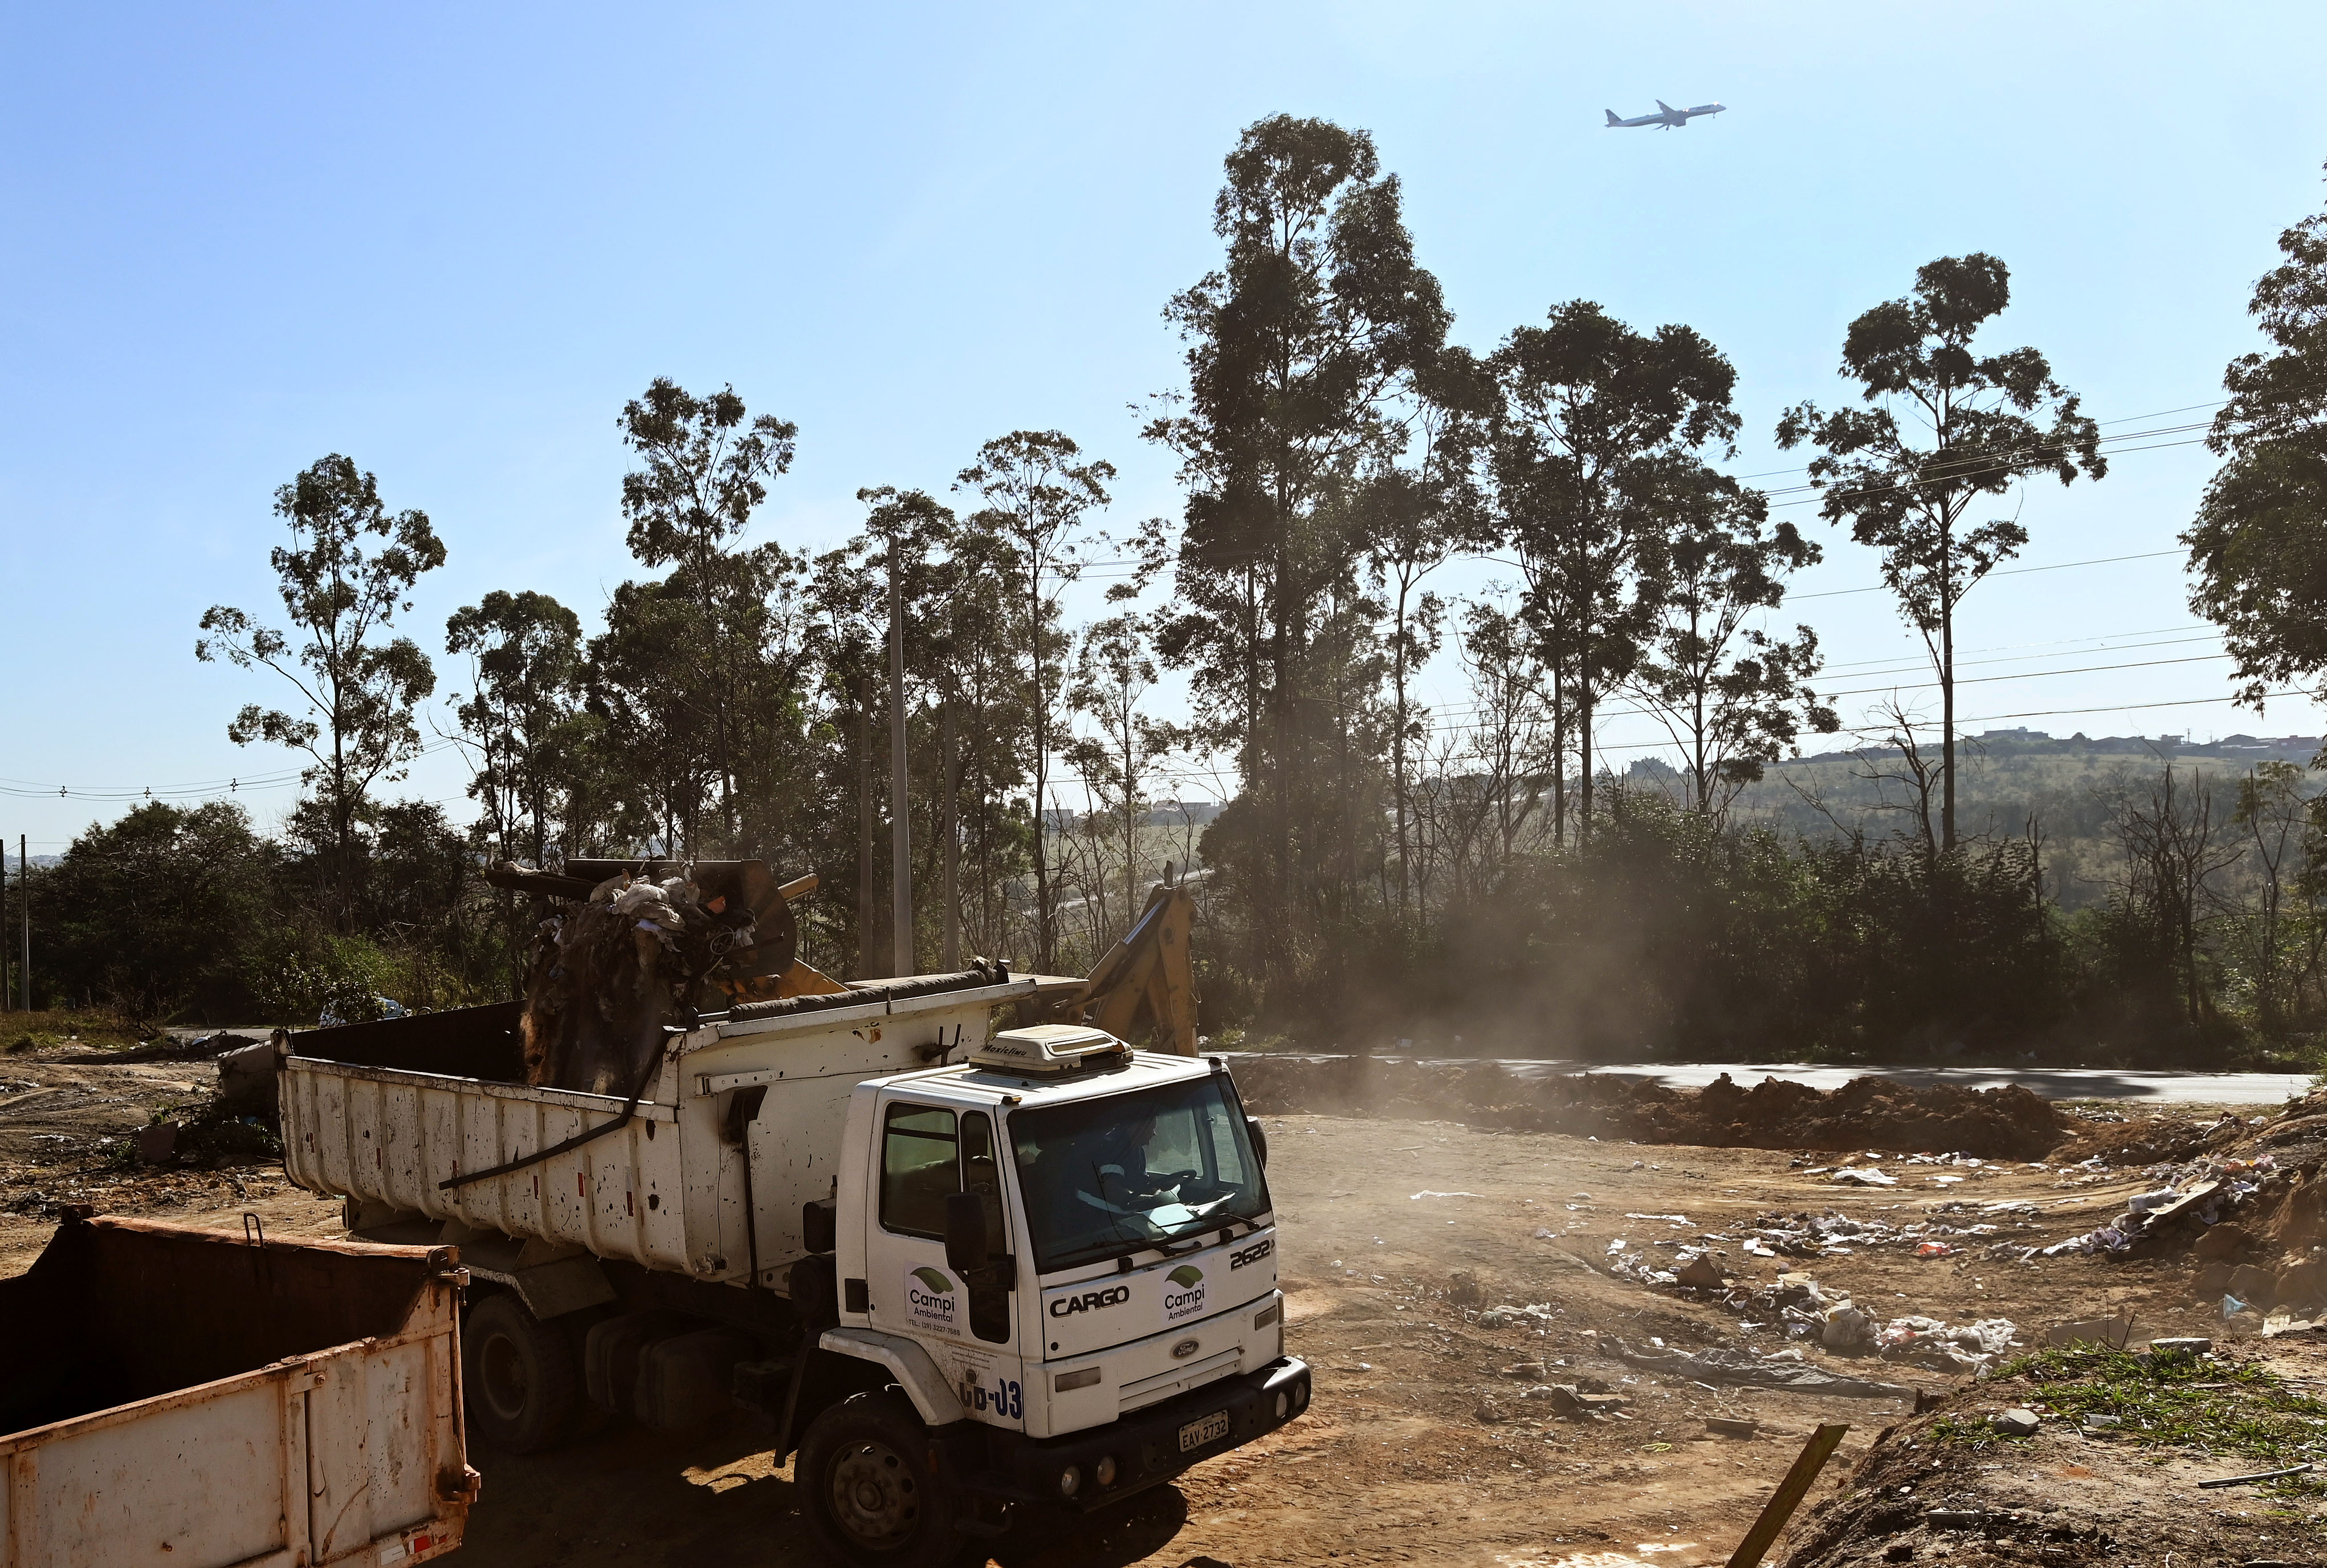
point(524, 1387)
point(870, 1492)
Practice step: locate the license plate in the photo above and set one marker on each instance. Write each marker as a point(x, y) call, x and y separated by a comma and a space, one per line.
point(1210, 1429)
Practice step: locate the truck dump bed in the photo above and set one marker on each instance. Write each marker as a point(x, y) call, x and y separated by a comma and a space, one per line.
point(199, 1400)
point(429, 1116)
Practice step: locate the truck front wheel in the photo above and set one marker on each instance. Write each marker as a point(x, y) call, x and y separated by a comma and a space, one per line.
point(524, 1389)
point(871, 1494)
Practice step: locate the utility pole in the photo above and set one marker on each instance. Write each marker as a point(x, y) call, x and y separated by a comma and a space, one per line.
point(901, 825)
point(24, 904)
point(951, 959)
point(866, 967)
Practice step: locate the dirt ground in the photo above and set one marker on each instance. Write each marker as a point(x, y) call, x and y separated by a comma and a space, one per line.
point(1419, 1448)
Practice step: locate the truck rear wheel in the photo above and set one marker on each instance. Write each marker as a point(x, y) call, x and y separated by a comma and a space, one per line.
point(524, 1389)
point(871, 1494)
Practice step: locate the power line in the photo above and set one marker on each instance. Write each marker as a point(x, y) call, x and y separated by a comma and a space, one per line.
point(1919, 665)
point(2014, 572)
point(26, 789)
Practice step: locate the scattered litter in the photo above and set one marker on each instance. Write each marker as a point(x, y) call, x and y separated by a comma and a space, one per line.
point(1730, 1426)
point(2182, 1347)
point(2016, 1423)
point(1969, 1347)
point(2300, 1469)
point(1862, 1176)
point(1426, 1193)
point(1724, 1367)
point(2113, 1332)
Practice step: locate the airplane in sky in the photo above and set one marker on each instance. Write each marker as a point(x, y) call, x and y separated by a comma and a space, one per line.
point(1667, 117)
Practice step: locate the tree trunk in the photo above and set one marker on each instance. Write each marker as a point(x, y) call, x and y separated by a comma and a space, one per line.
point(950, 955)
point(1947, 687)
point(868, 943)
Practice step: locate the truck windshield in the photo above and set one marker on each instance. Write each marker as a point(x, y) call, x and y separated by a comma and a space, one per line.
point(1110, 1176)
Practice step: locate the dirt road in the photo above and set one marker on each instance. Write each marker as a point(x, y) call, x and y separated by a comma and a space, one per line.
point(1419, 1448)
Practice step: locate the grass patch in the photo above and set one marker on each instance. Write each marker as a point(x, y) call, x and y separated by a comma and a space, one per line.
point(95, 1028)
point(2242, 1413)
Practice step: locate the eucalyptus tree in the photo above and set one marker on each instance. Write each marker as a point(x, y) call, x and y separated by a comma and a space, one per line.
point(524, 691)
point(1115, 669)
point(1595, 419)
point(1944, 431)
point(704, 464)
point(1732, 696)
point(1039, 491)
point(357, 690)
point(1417, 516)
point(1304, 351)
point(2258, 549)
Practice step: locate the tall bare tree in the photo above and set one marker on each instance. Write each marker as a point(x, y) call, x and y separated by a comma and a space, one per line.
point(1944, 430)
point(1039, 489)
point(359, 692)
point(703, 471)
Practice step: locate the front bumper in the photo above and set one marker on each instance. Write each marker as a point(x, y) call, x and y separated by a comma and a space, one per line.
point(1144, 1444)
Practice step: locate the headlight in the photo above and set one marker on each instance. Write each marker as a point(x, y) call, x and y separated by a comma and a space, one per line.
point(1105, 1470)
point(1284, 1406)
point(1070, 1478)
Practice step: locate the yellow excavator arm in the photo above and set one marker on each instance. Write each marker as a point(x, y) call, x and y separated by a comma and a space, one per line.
point(1148, 977)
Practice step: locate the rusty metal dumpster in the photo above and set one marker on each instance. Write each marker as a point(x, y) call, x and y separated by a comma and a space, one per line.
point(195, 1399)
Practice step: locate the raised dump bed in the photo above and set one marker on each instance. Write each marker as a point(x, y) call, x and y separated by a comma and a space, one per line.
point(199, 1400)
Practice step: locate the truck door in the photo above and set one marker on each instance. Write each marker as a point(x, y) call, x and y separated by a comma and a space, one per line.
point(927, 1153)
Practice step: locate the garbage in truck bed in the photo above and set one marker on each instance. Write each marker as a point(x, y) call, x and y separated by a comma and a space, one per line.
point(632, 947)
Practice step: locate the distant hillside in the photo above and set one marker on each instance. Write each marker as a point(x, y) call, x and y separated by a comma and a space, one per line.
point(2008, 778)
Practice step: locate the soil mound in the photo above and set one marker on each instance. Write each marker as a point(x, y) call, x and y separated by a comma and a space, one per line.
point(1868, 1113)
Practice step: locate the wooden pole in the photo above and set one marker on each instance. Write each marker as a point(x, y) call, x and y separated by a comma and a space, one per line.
point(900, 819)
point(1788, 1497)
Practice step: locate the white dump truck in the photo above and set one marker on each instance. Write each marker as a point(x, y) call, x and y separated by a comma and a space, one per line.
point(207, 1400)
point(971, 1275)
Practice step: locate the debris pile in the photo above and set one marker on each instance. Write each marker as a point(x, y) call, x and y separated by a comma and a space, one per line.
point(1724, 1367)
point(625, 949)
point(2085, 1455)
point(1866, 1113)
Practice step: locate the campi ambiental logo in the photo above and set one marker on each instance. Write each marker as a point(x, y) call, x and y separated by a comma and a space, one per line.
point(930, 1298)
point(1183, 1293)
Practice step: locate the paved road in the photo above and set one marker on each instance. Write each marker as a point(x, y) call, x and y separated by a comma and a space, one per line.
point(2055, 1083)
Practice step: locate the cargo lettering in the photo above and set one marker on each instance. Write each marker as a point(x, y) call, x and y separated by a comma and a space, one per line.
point(1253, 1254)
point(1089, 1300)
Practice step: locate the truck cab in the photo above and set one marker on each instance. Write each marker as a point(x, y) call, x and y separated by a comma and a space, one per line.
point(1062, 1254)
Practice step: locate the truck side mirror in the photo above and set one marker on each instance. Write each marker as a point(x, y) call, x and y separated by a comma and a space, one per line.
point(966, 1242)
point(1259, 1139)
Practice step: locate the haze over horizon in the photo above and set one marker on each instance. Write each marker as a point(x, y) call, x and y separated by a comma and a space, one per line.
point(451, 245)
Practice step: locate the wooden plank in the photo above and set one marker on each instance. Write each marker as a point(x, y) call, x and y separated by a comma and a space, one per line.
point(1788, 1497)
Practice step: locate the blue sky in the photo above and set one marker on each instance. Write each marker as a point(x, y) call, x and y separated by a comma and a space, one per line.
point(451, 242)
